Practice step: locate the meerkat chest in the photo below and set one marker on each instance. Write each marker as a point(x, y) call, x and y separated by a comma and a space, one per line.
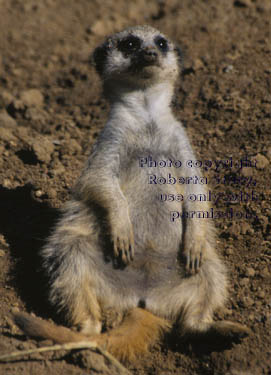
point(149, 138)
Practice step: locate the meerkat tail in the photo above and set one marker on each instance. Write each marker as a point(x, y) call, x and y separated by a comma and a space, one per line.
point(139, 330)
point(36, 327)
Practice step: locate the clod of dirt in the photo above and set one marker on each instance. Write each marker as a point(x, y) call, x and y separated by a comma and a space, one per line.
point(37, 116)
point(43, 149)
point(261, 161)
point(35, 149)
point(58, 169)
point(7, 121)
point(74, 147)
point(246, 301)
point(32, 98)
point(265, 273)
point(6, 134)
point(5, 99)
point(246, 228)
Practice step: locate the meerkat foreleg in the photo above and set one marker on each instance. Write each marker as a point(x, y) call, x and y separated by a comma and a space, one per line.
point(105, 190)
point(121, 231)
point(195, 236)
point(194, 245)
point(199, 236)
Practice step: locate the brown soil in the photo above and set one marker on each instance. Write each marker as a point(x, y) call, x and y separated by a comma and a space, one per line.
point(224, 101)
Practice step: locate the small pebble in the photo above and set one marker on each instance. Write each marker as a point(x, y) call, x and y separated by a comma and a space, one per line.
point(247, 172)
point(251, 317)
point(228, 69)
point(15, 309)
point(250, 272)
point(247, 301)
point(264, 272)
point(261, 294)
point(244, 281)
point(38, 193)
point(229, 251)
point(6, 183)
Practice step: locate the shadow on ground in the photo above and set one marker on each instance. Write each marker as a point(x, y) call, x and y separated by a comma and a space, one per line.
point(25, 224)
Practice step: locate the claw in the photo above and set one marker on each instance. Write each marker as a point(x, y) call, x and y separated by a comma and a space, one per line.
point(123, 257)
point(187, 262)
point(123, 243)
point(197, 264)
point(131, 251)
point(116, 250)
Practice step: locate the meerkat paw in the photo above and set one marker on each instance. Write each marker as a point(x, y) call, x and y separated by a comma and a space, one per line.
point(123, 239)
point(194, 254)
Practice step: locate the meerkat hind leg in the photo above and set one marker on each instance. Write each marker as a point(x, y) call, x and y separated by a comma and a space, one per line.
point(218, 330)
point(208, 292)
point(68, 262)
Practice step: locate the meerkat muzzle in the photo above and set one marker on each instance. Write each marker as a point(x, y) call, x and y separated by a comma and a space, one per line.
point(149, 55)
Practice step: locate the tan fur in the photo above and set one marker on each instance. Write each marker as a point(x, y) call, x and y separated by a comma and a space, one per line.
point(138, 331)
point(39, 328)
point(115, 247)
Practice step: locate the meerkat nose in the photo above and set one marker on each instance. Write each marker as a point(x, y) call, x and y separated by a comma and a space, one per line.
point(149, 55)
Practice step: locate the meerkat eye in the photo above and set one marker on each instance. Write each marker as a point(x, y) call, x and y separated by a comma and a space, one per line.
point(130, 44)
point(161, 43)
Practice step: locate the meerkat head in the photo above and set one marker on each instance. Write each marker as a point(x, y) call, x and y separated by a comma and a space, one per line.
point(137, 57)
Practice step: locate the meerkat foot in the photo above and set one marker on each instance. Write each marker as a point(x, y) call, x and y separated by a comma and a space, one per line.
point(90, 327)
point(123, 248)
point(230, 330)
point(220, 331)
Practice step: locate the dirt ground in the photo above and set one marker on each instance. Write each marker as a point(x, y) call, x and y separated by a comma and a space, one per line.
point(51, 111)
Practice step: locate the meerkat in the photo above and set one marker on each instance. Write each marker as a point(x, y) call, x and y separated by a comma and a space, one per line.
point(115, 251)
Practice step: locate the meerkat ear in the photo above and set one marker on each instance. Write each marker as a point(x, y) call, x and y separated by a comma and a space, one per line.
point(98, 57)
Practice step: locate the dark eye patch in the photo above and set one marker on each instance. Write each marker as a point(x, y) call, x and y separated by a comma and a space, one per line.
point(129, 44)
point(161, 43)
